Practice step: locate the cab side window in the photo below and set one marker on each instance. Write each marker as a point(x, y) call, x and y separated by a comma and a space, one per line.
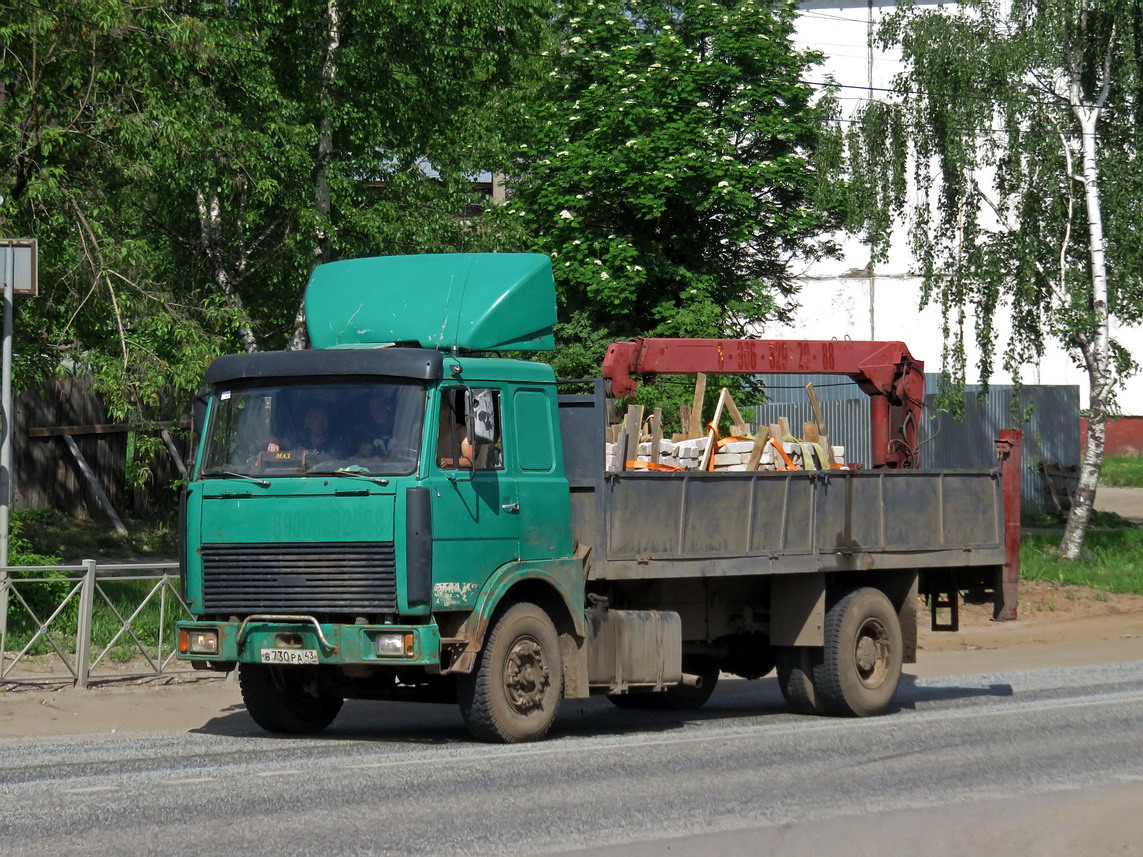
point(454, 451)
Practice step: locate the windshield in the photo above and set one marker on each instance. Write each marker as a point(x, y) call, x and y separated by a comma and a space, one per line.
point(306, 427)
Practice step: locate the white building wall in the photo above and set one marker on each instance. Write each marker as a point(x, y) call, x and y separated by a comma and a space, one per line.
point(834, 302)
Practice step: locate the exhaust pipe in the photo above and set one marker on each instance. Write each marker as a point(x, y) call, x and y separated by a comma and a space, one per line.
point(691, 680)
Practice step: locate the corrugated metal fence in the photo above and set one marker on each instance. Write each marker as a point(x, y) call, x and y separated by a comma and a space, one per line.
point(1050, 434)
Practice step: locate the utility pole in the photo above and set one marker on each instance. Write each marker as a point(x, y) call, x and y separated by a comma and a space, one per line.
point(18, 259)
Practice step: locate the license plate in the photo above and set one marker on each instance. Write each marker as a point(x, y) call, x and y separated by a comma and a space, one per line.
point(289, 656)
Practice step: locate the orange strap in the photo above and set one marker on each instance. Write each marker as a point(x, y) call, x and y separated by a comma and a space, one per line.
point(789, 463)
point(732, 439)
point(650, 465)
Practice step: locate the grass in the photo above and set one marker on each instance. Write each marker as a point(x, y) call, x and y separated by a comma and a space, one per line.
point(1099, 521)
point(1111, 561)
point(1122, 472)
point(127, 595)
point(51, 533)
point(47, 537)
point(124, 595)
point(1112, 557)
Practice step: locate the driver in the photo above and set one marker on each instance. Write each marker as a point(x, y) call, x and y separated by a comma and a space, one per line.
point(316, 435)
point(378, 433)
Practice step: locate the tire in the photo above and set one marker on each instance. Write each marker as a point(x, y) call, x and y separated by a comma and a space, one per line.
point(278, 702)
point(681, 697)
point(748, 655)
point(796, 681)
point(861, 663)
point(514, 690)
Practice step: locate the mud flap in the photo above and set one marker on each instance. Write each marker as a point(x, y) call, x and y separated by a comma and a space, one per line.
point(907, 615)
point(797, 610)
point(945, 597)
point(573, 652)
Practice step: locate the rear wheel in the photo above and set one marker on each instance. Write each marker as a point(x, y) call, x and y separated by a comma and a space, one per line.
point(861, 663)
point(280, 700)
point(796, 679)
point(748, 655)
point(513, 693)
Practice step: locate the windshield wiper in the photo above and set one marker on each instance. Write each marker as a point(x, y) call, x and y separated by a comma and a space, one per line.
point(263, 482)
point(345, 471)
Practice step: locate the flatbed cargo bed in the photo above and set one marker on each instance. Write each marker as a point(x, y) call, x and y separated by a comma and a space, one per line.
point(644, 525)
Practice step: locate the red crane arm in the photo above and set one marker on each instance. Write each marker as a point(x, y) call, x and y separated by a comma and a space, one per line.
point(886, 371)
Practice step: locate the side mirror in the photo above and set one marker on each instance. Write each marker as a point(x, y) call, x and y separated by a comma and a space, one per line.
point(480, 417)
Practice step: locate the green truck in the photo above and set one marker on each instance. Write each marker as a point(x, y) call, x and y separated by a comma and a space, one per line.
point(399, 512)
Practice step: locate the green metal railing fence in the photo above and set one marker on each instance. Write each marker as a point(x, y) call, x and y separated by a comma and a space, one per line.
point(97, 622)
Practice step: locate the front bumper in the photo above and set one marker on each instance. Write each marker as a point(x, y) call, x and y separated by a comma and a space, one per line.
point(335, 644)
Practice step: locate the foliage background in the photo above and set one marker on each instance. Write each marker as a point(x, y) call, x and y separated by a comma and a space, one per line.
point(185, 164)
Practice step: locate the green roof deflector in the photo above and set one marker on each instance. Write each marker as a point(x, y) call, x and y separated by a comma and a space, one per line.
point(470, 301)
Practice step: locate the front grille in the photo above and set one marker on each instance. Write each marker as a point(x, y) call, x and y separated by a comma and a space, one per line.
point(304, 577)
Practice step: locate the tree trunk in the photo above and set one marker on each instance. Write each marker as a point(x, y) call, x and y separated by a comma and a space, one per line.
point(299, 339)
point(210, 237)
point(323, 251)
point(1097, 354)
point(322, 194)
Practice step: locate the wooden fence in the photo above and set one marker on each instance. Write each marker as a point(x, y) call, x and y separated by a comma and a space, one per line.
point(63, 427)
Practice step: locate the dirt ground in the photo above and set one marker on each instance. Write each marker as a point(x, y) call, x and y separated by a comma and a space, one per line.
point(1056, 626)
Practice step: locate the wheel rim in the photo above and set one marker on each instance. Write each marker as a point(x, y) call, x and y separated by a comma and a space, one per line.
point(526, 676)
point(872, 653)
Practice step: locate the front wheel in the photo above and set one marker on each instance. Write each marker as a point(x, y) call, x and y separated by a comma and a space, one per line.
point(860, 666)
point(514, 690)
point(278, 700)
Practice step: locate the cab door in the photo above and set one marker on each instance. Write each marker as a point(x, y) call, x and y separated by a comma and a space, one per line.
point(475, 507)
point(545, 505)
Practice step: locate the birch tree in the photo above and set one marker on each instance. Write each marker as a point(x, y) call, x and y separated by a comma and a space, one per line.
point(1021, 123)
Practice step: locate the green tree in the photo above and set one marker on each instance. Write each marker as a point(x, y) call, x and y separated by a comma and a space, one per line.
point(676, 172)
point(308, 130)
point(409, 102)
point(69, 75)
point(1022, 125)
point(185, 164)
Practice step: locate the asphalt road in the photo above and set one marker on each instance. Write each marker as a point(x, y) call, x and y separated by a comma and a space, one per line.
point(1033, 762)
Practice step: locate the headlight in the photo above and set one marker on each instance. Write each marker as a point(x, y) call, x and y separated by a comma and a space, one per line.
point(198, 642)
point(395, 645)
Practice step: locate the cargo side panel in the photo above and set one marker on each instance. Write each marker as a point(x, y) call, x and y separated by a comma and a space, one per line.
point(707, 524)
